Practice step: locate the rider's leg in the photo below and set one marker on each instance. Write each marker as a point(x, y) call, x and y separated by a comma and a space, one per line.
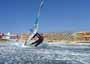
point(34, 42)
point(39, 42)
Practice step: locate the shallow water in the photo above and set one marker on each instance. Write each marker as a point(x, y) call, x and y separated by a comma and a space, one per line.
point(45, 54)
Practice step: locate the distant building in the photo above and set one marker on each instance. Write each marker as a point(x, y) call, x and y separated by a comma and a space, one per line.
point(23, 37)
point(14, 36)
point(1, 35)
point(6, 36)
point(82, 36)
point(10, 36)
point(53, 37)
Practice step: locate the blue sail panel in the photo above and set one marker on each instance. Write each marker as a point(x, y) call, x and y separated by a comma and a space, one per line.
point(34, 30)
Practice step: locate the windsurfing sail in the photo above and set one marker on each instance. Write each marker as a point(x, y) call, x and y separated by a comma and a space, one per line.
point(34, 30)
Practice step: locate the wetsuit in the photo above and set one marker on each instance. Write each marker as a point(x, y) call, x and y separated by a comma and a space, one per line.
point(39, 41)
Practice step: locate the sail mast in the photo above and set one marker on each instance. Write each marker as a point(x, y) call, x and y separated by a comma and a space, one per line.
point(38, 14)
point(34, 30)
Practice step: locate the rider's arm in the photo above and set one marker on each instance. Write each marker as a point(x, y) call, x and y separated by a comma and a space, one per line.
point(34, 36)
point(38, 35)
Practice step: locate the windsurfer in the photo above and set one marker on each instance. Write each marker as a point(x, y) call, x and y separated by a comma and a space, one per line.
point(38, 41)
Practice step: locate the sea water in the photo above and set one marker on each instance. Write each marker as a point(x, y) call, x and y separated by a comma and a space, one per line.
point(45, 54)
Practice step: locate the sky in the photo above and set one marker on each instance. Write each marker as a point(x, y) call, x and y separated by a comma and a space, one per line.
point(56, 15)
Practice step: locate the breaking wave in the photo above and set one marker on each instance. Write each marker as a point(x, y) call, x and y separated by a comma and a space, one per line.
point(45, 54)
